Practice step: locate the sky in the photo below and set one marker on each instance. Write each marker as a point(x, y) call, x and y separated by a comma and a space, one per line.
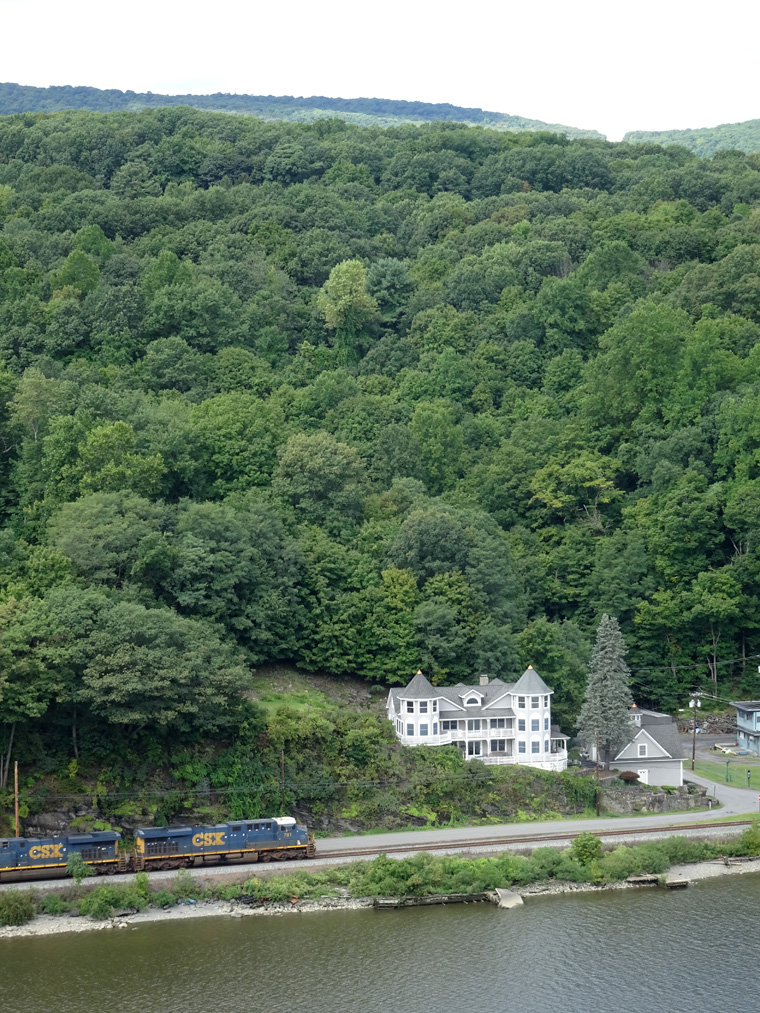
point(608, 66)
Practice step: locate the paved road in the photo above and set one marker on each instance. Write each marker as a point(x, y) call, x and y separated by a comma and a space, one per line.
point(734, 801)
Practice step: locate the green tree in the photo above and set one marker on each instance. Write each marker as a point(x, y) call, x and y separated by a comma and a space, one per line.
point(347, 308)
point(322, 479)
point(605, 721)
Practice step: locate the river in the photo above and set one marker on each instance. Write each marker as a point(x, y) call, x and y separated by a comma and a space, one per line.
point(688, 951)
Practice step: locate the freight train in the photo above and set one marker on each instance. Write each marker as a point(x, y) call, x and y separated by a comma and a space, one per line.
point(267, 839)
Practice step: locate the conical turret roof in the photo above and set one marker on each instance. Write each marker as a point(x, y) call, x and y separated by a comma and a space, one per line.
point(530, 682)
point(418, 689)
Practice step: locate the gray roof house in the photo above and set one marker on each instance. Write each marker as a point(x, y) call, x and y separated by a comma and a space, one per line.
point(496, 722)
point(654, 752)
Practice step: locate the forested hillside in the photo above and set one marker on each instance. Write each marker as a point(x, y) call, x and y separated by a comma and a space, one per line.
point(705, 141)
point(365, 401)
point(16, 98)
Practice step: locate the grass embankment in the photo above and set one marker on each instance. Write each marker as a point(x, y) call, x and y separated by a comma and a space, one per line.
point(585, 861)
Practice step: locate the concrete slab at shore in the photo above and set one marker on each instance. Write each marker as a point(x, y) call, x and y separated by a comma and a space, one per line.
point(507, 898)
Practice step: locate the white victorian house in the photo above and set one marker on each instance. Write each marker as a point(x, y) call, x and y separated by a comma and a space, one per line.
point(495, 721)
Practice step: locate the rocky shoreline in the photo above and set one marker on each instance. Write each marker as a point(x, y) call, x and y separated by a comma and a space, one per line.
point(48, 925)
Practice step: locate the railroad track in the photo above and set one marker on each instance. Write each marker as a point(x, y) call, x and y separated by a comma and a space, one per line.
point(488, 842)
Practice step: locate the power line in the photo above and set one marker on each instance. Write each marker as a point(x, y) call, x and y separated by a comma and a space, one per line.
point(705, 664)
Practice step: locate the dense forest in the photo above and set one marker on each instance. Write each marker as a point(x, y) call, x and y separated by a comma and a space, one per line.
point(364, 401)
point(16, 98)
point(705, 141)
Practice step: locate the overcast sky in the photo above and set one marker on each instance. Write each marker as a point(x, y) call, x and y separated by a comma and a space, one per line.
point(610, 66)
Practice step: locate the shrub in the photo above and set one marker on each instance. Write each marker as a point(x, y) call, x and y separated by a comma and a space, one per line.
point(183, 886)
point(163, 898)
point(629, 776)
point(586, 848)
point(77, 868)
point(141, 885)
point(54, 904)
point(16, 907)
point(101, 902)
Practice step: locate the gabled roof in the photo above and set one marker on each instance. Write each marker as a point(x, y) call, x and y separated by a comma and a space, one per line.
point(666, 735)
point(419, 689)
point(530, 682)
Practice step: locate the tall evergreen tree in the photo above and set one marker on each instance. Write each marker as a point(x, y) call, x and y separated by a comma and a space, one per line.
point(605, 720)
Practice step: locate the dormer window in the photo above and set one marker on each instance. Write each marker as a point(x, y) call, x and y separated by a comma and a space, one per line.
point(472, 702)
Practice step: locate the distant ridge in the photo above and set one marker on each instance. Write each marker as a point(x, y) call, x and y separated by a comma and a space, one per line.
point(705, 141)
point(16, 98)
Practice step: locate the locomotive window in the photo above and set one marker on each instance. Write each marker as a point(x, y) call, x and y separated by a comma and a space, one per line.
point(22, 844)
point(235, 829)
point(250, 826)
point(5, 845)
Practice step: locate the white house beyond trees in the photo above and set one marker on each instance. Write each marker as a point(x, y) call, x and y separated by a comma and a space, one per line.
point(495, 721)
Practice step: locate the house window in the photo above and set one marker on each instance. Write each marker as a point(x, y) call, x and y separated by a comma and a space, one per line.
point(546, 701)
point(535, 725)
point(521, 701)
point(410, 729)
point(410, 706)
point(435, 706)
point(546, 724)
point(535, 747)
point(423, 706)
point(497, 723)
point(546, 745)
point(435, 728)
point(642, 749)
point(473, 749)
point(473, 701)
point(446, 725)
point(473, 725)
point(423, 729)
point(534, 701)
point(498, 745)
point(521, 724)
point(520, 747)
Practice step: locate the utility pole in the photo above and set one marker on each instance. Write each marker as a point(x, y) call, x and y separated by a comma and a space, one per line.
point(598, 800)
point(15, 784)
point(282, 778)
point(694, 703)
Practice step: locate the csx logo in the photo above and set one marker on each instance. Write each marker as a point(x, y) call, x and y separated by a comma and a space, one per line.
point(46, 851)
point(208, 840)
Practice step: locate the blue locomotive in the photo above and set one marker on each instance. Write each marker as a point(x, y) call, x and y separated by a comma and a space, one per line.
point(21, 856)
point(261, 840)
point(273, 838)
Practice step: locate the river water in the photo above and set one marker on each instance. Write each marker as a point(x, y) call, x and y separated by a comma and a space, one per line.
point(687, 951)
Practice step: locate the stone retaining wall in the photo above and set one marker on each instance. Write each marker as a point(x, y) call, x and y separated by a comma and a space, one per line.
point(637, 798)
